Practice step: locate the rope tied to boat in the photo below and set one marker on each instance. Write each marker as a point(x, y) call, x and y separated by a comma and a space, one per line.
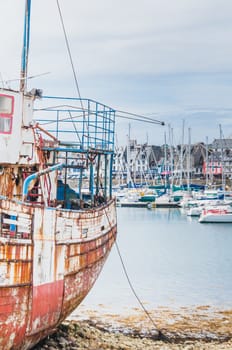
point(160, 335)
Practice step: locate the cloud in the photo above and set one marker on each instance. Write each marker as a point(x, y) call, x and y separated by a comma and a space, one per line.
point(168, 57)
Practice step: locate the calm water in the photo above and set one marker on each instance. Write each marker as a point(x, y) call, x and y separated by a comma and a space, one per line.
point(172, 261)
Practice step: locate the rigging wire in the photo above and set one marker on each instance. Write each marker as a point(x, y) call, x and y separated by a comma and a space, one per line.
point(154, 121)
point(127, 115)
point(142, 117)
point(73, 70)
point(69, 50)
point(26, 78)
point(139, 118)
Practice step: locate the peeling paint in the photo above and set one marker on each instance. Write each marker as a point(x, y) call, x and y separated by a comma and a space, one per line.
point(49, 275)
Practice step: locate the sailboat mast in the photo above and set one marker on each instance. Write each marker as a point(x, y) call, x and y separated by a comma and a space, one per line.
point(165, 161)
point(207, 163)
point(170, 131)
point(189, 159)
point(222, 159)
point(181, 154)
point(26, 39)
point(128, 158)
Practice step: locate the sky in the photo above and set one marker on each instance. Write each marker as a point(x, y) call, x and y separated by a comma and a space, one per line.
point(167, 59)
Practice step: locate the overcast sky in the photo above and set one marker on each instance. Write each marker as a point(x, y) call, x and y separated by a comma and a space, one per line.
point(171, 59)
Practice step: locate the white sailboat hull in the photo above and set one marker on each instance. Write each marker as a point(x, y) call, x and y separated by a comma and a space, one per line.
point(217, 218)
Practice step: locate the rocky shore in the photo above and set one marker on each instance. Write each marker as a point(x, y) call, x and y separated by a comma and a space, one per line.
point(198, 329)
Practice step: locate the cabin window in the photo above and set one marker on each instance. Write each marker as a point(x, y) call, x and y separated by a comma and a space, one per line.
point(6, 113)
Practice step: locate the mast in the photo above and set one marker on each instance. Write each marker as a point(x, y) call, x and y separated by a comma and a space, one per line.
point(189, 159)
point(170, 130)
point(222, 158)
point(128, 158)
point(207, 163)
point(26, 39)
point(165, 161)
point(181, 154)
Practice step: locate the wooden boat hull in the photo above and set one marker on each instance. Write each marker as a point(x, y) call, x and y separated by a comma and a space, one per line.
point(47, 266)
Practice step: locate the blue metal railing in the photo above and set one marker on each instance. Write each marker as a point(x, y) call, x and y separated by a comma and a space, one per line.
point(84, 123)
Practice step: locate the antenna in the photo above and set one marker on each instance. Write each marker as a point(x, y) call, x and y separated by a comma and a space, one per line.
point(26, 39)
point(24, 78)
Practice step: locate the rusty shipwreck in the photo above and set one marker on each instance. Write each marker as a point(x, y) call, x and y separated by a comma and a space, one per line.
point(57, 215)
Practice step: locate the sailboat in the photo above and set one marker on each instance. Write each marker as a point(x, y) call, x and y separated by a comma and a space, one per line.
point(54, 236)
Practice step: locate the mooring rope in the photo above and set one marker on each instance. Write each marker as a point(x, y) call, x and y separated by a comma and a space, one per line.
point(160, 335)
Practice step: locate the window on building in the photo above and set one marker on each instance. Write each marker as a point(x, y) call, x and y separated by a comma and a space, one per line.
point(6, 113)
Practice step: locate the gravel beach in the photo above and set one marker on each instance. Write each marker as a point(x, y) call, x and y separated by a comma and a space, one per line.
point(198, 328)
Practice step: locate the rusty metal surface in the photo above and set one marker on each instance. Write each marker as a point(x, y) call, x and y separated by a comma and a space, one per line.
point(79, 282)
point(14, 303)
point(50, 258)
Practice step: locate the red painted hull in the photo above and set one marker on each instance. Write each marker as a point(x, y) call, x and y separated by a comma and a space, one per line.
point(45, 277)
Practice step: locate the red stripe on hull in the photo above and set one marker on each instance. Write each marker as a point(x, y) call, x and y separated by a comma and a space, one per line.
point(13, 316)
point(46, 305)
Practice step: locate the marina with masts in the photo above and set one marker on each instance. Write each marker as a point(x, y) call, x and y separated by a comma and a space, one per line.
point(163, 175)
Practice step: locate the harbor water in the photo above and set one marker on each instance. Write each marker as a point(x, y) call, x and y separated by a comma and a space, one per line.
point(172, 261)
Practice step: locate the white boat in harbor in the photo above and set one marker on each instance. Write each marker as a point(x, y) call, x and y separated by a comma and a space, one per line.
point(195, 210)
point(198, 206)
point(216, 215)
point(192, 198)
point(127, 196)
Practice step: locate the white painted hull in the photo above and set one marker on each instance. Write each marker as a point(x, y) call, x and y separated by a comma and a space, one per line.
point(217, 218)
point(194, 211)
